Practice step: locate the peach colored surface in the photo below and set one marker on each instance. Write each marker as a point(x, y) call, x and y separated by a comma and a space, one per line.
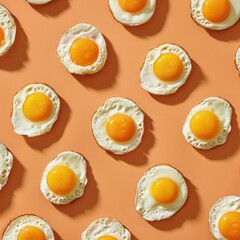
point(112, 179)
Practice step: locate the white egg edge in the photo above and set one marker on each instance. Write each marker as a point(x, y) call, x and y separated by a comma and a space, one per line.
point(26, 220)
point(224, 131)
point(81, 181)
point(156, 86)
point(168, 210)
point(124, 148)
point(39, 2)
point(237, 58)
point(132, 19)
point(89, 31)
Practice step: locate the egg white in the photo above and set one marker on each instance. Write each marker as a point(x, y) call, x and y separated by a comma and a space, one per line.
point(222, 110)
point(105, 226)
point(81, 30)
point(145, 204)
point(237, 59)
point(39, 2)
point(151, 83)
point(197, 15)
point(117, 105)
point(78, 165)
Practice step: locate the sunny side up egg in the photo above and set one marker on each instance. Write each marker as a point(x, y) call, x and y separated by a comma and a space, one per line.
point(82, 49)
point(132, 12)
point(208, 124)
point(106, 229)
point(161, 193)
point(224, 218)
point(39, 2)
point(28, 227)
point(118, 125)
point(215, 14)
point(64, 178)
point(237, 59)
point(165, 69)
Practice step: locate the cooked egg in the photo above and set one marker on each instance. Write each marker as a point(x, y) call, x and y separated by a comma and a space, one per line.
point(161, 193)
point(215, 14)
point(106, 229)
point(224, 218)
point(7, 30)
point(82, 49)
point(132, 12)
point(28, 227)
point(64, 178)
point(165, 69)
point(35, 110)
point(39, 2)
point(237, 59)
point(209, 123)
point(6, 162)
point(118, 125)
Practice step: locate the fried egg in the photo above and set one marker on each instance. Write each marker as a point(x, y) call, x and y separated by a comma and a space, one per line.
point(118, 125)
point(39, 2)
point(132, 12)
point(209, 123)
point(82, 49)
point(106, 229)
point(35, 110)
point(64, 178)
point(165, 69)
point(27, 227)
point(237, 58)
point(6, 162)
point(215, 14)
point(7, 30)
point(161, 193)
point(224, 218)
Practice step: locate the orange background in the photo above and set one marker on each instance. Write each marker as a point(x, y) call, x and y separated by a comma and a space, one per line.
point(210, 174)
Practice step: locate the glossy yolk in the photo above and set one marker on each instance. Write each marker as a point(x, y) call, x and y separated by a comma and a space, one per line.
point(30, 233)
point(205, 125)
point(164, 190)
point(61, 180)
point(120, 127)
point(37, 107)
point(107, 237)
point(132, 6)
point(2, 37)
point(229, 225)
point(168, 67)
point(84, 52)
point(216, 11)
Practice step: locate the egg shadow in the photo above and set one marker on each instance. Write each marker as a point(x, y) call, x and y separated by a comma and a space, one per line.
point(229, 147)
point(16, 57)
point(155, 24)
point(57, 236)
point(87, 201)
point(139, 156)
point(189, 211)
point(46, 140)
point(13, 183)
point(105, 78)
point(194, 79)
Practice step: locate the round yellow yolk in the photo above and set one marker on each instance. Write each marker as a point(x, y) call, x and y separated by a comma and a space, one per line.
point(168, 67)
point(205, 125)
point(120, 127)
point(107, 238)
point(229, 225)
point(84, 52)
point(37, 107)
point(61, 180)
point(30, 233)
point(2, 37)
point(132, 6)
point(164, 190)
point(216, 11)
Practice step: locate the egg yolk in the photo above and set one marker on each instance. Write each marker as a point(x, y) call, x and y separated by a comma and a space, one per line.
point(216, 11)
point(107, 238)
point(164, 190)
point(132, 6)
point(168, 67)
point(229, 225)
point(205, 125)
point(2, 37)
point(37, 107)
point(61, 180)
point(120, 127)
point(30, 233)
point(84, 52)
